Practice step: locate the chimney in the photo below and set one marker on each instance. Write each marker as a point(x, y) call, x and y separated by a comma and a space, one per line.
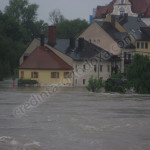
point(81, 43)
point(52, 35)
point(113, 20)
point(42, 39)
point(72, 42)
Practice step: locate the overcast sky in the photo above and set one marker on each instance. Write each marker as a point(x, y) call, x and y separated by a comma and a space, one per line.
point(71, 9)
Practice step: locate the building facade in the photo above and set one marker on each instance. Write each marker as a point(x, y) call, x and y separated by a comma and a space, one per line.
point(44, 66)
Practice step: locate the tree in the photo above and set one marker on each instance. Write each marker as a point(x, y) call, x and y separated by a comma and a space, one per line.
point(18, 26)
point(94, 84)
point(11, 44)
point(138, 74)
point(39, 27)
point(71, 28)
point(22, 11)
point(56, 17)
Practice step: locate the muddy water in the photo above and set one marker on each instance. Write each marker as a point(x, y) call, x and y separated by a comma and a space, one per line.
point(74, 119)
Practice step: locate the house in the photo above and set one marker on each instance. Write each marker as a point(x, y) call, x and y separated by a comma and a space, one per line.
point(88, 60)
point(111, 36)
point(97, 35)
point(143, 43)
point(137, 30)
point(132, 7)
point(44, 66)
point(83, 56)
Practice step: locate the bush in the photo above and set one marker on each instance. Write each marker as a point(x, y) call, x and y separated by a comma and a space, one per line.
point(115, 85)
point(23, 82)
point(118, 75)
point(94, 84)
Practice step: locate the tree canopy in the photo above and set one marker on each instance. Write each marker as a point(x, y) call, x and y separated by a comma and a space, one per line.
point(71, 28)
point(138, 74)
point(22, 11)
point(18, 27)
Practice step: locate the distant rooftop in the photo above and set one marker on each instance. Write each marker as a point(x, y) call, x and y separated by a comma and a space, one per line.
point(138, 7)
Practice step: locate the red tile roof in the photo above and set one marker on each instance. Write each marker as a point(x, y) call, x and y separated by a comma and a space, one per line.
point(104, 10)
point(44, 58)
point(138, 6)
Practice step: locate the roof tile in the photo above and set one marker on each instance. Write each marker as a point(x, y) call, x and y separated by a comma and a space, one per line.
point(44, 58)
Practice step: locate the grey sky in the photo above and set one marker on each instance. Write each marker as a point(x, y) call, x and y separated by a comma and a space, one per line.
point(71, 9)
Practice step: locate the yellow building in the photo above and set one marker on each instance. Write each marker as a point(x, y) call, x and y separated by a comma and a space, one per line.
point(138, 31)
point(44, 66)
point(143, 45)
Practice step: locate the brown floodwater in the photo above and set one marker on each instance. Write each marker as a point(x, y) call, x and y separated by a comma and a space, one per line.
point(72, 119)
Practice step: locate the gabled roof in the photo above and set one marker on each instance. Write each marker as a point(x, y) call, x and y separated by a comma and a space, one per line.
point(111, 30)
point(88, 51)
point(114, 33)
point(138, 7)
point(104, 10)
point(133, 26)
point(44, 58)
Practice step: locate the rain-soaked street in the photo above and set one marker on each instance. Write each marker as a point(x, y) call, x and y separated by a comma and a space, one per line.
point(73, 119)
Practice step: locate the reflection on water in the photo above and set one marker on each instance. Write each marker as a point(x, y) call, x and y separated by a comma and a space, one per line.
point(74, 119)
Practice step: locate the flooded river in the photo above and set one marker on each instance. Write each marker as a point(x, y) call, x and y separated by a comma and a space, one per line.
point(73, 119)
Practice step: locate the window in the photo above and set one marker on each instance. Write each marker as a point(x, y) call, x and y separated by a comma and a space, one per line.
point(108, 67)
point(34, 74)
point(138, 45)
point(84, 68)
point(146, 45)
point(22, 74)
point(129, 56)
point(67, 75)
point(122, 13)
point(98, 41)
point(24, 58)
point(54, 74)
point(95, 68)
point(133, 30)
point(142, 45)
point(76, 68)
point(101, 68)
point(84, 81)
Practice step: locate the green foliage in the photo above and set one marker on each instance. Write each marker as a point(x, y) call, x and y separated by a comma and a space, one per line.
point(138, 74)
point(22, 11)
point(18, 27)
point(118, 75)
point(94, 84)
point(112, 86)
point(71, 28)
point(23, 82)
